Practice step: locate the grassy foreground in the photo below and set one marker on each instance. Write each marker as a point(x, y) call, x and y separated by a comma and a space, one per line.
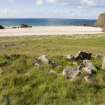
point(21, 83)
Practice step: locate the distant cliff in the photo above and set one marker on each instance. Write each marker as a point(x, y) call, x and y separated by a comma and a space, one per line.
point(101, 20)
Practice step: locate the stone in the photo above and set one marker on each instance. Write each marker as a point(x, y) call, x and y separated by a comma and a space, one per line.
point(79, 56)
point(72, 73)
point(83, 56)
point(103, 63)
point(101, 20)
point(2, 27)
point(89, 67)
point(53, 63)
point(43, 59)
point(36, 62)
point(25, 26)
point(69, 57)
point(40, 61)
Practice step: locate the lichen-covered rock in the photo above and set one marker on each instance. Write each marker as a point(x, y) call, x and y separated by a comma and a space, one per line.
point(43, 59)
point(69, 57)
point(89, 67)
point(72, 73)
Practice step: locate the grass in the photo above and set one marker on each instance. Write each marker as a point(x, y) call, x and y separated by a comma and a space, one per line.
point(52, 46)
point(21, 83)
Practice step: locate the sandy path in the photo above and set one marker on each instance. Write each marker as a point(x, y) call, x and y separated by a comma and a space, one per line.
point(50, 30)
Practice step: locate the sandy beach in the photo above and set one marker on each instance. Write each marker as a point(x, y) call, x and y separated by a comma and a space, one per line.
point(50, 30)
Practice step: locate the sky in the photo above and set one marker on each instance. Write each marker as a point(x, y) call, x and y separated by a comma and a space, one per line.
point(76, 9)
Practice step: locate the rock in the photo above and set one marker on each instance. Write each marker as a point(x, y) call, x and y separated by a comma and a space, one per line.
point(53, 63)
point(24, 26)
point(69, 57)
point(87, 70)
point(101, 20)
point(79, 56)
point(83, 56)
point(72, 73)
point(43, 59)
point(89, 67)
point(36, 62)
point(103, 63)
point(1, 27)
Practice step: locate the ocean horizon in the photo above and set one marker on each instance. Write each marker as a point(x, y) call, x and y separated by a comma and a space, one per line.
point(47, 22)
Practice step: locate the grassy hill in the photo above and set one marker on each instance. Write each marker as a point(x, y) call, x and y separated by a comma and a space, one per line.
point(21, 83)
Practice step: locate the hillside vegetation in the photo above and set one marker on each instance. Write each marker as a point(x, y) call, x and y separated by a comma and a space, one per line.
point(22, 83)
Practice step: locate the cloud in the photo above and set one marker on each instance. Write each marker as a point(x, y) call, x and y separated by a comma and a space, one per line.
point(11, 1)
point(69, 2)
point(4, 11)
point(42, 2)
point(88, 2)
point(39, 2)
point(52, 8)
point(52, 1)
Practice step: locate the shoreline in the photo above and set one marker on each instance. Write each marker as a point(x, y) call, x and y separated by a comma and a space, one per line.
point(50, 31)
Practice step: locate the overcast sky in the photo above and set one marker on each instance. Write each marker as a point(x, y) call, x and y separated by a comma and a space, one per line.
point(88, 9)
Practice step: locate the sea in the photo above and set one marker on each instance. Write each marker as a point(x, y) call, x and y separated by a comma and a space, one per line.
point(47, 22)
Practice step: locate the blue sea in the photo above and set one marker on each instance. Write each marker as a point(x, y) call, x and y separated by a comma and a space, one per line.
point(47, 22)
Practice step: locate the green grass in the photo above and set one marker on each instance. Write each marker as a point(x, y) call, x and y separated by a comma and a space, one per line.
point(21, 83)
point(52, 46)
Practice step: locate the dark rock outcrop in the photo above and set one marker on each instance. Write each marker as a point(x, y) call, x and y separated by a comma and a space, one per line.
point(2, 27)
point(25, 26)
point(80, 56)
point(83, 56)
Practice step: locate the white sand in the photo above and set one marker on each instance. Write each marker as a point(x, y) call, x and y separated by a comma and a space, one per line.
point(50, 30)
